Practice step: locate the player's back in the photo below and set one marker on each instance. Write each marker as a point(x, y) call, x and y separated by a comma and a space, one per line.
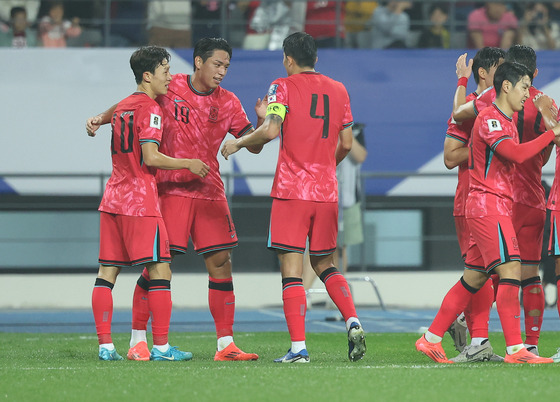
point(131, 189)
point(318, 108)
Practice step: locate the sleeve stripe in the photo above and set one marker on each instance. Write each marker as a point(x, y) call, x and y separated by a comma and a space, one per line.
point(146, 141)
point(500, 140)
point(456, 138)
point(348, 124)
point(244, 131)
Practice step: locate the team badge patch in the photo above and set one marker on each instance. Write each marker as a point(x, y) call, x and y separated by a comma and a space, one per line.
point(155, 121)
point(271, 96)
point(213, 116)
point(494, 125)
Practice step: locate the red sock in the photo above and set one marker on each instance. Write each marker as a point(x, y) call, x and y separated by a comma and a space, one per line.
point(295, 307)
point(452, 306)
point(533, 307)
point(159, 302)
point(339, 292)
point(140, 308)
point(221, 300)
point(102, 306)
point(507, 303)
point(478, 311)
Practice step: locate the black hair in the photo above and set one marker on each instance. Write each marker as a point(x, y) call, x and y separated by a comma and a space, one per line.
point(302, 48)
point(523, 55)
point(147, 58)
point(441, 6)
point(16, 10)
point(205, 47)
point(512, 72)
point(486, 58)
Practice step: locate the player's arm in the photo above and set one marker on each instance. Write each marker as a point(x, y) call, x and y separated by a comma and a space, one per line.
point(462, 110)
point(519, 153)
point(345, 139)
point(269, 130)
point(358, 153)
point(93, 123)
point(455, 153)
point(260, 110)
point(152, 157)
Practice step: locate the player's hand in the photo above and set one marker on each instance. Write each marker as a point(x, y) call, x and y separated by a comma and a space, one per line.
point(463, 69)
point(92, 124)
point(199, 168)
point(260, 108)
point(548, 109)
point(229, 148)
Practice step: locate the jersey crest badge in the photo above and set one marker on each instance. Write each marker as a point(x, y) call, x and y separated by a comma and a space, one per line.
point(272, 93)
point(494, 125)
point(155, 121)
point(213, 115)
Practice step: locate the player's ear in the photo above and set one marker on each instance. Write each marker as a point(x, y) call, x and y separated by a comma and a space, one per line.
point(506, 86)
point(147, 76)
point(198, 62)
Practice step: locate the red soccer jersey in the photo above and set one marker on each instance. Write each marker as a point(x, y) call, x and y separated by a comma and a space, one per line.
point(484, 100)
point(132, 189)
point(461, 132)
point(491, 175)
point(554, 196)
point(318, 108)
point(196, 124)
point(528, 189)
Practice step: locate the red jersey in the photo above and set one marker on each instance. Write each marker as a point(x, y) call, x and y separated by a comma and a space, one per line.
point(491, 175)
point(320, 19)
point(461, 132)
point(528, 189)
point(554, 196)
point(318, 108)
point(484, 100)
point(196, 124)
point(131, 189)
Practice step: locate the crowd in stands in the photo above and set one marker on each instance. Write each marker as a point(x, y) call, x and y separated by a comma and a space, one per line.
point(254, 24)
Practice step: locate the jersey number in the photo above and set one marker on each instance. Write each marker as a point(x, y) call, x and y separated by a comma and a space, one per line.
point(127, 135)
point(325, 116)
point(181, 113)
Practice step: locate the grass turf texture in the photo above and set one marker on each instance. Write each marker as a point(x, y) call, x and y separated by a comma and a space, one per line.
point(65, 367)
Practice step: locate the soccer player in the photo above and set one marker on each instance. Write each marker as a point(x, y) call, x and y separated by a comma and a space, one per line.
point(494, 152)
point(132, 231)
point(529, 208)
point(455, 152)
point(312, 115)
point(198, 113)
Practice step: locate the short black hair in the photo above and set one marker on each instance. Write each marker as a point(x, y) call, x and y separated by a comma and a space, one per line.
point(512, 72)
point(16, 10)
point(302, 48)
point(147, 58)
point(486, 58)
point(205, 47)
point(523, 55)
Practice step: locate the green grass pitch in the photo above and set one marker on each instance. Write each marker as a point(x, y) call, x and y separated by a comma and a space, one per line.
point(64, 367)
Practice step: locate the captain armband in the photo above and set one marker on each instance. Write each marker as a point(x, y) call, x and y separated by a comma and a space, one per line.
point(277, 109)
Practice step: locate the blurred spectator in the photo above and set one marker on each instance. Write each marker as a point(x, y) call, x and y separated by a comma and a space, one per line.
point(206, 21)
point(321, 22)
point(271, 21)
point(128, 23)
point(18, 33)
point(31, 7)
point(436, 35)
point(169, 23)
point(492, 25)
point(391, 25)
point(535, 28)
point(356, 25)
point(54, 30)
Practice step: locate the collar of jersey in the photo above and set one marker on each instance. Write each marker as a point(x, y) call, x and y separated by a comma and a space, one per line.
point(502, 113)
point(198, 92)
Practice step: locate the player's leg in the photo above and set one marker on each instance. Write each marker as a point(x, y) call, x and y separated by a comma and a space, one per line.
point(213, 236)
point(175, 214)
point(102, 306)
point(159, 301)
point(322, 244)
point(529, 227)
point(111, 253)
point(289, 228)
